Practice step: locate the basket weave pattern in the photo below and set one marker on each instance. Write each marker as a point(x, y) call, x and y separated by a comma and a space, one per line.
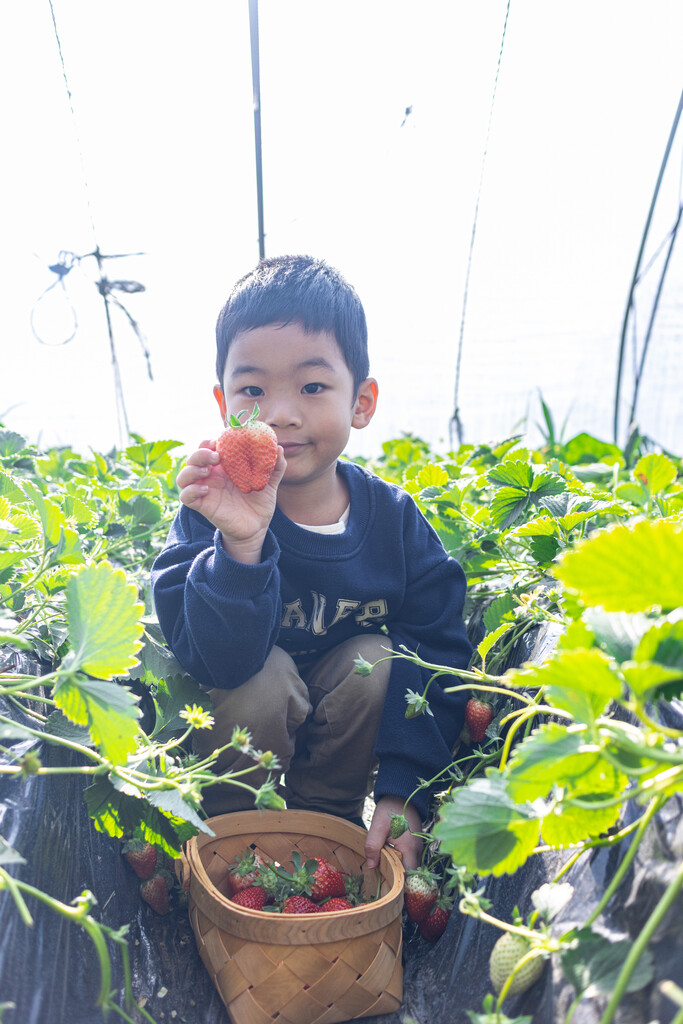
point(295, 969)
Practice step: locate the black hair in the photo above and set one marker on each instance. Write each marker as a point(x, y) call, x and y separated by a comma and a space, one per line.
point(296, 289)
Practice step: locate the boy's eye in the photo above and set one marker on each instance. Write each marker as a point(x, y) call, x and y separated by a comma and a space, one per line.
point(253, 391)
point(313, 389)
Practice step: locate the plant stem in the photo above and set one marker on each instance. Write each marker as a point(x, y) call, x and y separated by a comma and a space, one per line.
point(640, 944)
point(619, 874)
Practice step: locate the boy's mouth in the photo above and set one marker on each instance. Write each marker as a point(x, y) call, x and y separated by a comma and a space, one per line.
point(291, 448)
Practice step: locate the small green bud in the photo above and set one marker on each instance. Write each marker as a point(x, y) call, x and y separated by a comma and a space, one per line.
point(268, 799)
point(399, 825)
point(363, 667)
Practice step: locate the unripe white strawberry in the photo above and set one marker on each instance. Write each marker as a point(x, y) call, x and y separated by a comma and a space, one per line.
point(505, 955)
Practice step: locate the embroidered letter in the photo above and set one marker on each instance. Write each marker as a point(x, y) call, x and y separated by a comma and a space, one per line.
point(318, 617)
point(293, 615)
point(372, 612)
point(344, 609)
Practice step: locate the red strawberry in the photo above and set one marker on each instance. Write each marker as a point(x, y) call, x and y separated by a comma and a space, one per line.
point(300, 905)
point(141, 856)
point(419, 893)
point(327, 881)
point(155, 892)
point(253, 897)
point(248, 451)
point(243, 872)
point(478, 717)
point(336, 903)
point(434, 925)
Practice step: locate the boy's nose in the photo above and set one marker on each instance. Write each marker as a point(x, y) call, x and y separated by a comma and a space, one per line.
point(282, 414)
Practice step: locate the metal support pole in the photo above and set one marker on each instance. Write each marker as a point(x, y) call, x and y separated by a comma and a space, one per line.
point(256, 85)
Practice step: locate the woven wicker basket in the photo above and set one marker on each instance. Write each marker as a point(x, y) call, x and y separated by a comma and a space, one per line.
point(295, 969)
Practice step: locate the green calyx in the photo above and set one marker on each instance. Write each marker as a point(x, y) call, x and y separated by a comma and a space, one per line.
point(236, 421)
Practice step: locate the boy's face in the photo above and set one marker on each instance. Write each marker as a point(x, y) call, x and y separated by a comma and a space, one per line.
point(304, 390)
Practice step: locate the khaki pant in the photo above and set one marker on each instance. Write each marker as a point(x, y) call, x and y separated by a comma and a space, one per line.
point(321, 721)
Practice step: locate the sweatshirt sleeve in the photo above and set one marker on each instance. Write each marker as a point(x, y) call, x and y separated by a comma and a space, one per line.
point(219, 617)
point(429, 623)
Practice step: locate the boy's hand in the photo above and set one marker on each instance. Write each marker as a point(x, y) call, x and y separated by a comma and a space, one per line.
point(243, 519)
point(409, 846)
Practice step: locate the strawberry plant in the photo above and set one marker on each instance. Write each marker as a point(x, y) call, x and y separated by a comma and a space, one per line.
point(77, 540)
point(586, 542)
point(576, 543)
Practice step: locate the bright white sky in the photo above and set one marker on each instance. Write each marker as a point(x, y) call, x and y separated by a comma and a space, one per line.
point(161, 160)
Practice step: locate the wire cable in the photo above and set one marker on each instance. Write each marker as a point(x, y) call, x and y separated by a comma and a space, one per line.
point(454, 424)
point(121, 412)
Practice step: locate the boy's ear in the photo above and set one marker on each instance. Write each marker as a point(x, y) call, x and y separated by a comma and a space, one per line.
point(365, 404)
point(220, 398)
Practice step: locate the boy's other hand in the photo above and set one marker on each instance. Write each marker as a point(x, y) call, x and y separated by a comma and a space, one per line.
point(379, 833)
point(243, 519)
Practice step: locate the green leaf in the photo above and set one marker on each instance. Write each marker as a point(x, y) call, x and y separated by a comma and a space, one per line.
point(516, 474)
point(594, 964)
point(507, 505)
point(491, 638)
point(152, 455)
point(655, 472)
point(144, 510)
point(647, 678)
point(77, 510)
point(11, 443)
point(540, 526)
point(9, 488)
point(67, 550)
point(544, 549)
point(579, 681)
point(171, 802)
point(483, 829)
point(630, 569)
point(10, 558)
point(569, 822)
point(584, 448)
point(109, 711)
point(120, 814)
point(552, 755)
point(617, 634)
point(103, 616)
point(52, 518)
point(432, 475)
point(662, 643)
point(58, 724)
point(499, 611)
point(546, 484)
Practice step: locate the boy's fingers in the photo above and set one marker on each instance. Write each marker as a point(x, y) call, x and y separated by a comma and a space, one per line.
point(377, 837)
point(192, 474)
point(204, 456)
point(279, 468)
point(193, 495)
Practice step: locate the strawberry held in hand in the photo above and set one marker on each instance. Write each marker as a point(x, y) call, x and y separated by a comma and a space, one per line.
point(248, 451)
point(478, 717)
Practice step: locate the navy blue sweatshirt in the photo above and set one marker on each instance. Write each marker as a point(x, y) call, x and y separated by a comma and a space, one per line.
point(310, 592)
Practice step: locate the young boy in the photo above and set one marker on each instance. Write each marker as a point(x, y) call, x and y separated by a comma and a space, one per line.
point(268, 598)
